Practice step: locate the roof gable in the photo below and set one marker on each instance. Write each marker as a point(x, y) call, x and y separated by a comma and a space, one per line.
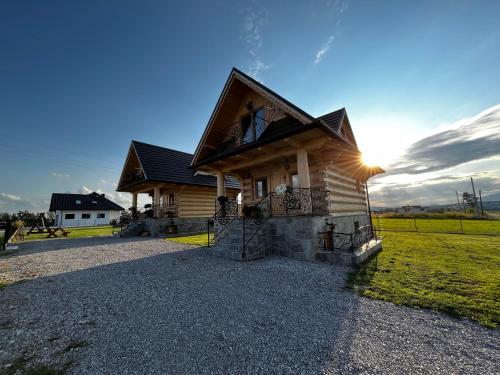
point(166, 165)
point(276, 101)
point(338, 122)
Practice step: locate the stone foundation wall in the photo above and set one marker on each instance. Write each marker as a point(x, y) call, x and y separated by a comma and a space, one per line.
point(185, 225)
point(295, 237)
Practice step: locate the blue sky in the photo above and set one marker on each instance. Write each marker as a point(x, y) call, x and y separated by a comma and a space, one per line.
point(79, 80)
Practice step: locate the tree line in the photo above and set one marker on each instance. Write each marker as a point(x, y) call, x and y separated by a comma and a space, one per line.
point(27, 217)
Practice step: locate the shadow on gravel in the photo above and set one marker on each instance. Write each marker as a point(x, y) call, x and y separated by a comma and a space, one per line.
point(188, 312)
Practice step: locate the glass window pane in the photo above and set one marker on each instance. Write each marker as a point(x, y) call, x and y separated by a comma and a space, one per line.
point(295, 181)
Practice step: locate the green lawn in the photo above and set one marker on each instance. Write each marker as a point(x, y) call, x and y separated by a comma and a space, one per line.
point(437, 225)
point(76, 233)
point(453, 273)
point(198, 239)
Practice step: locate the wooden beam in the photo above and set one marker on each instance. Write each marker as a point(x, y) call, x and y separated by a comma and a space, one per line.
point(260, 159)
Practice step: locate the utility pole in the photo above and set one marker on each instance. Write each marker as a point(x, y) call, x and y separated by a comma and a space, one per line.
point(474, 194)
point(458, 202)
point(481, 203)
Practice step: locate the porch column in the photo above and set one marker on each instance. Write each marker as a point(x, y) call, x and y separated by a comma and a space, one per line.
point(303, 169)
point(134, 201)
point(156, 201)
point(221, 190)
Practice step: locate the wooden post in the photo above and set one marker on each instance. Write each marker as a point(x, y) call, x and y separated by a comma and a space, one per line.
point(156, 201)
point(221, 190)
point(303, 169)
point(134, 201)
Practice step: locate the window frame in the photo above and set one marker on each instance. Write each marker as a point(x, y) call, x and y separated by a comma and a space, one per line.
point(69, 218)
point(265, 190)
point(103, 215)
point(86, 214)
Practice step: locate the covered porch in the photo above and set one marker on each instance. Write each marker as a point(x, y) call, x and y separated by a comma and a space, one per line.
point(162, 200)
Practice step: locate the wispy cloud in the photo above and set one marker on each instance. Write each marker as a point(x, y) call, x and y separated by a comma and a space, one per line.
point(255, 18)
point(472, 139)
point(324, 49)
point(60, 175)
point(10, 197)
point(434, 167)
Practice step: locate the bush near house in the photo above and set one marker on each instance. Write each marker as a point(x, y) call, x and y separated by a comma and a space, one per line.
point(454, 273)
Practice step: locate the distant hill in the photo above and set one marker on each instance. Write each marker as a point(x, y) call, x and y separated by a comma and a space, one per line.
point(488, 205)
point(491, 198)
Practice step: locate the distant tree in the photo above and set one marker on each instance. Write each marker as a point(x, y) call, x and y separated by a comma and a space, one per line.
point(51, 218)
point(28, 218)
point(4, 216)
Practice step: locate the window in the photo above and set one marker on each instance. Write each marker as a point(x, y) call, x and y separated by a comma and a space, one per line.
point(259, 124)
point(101, 215)
point(78, 201)
point(94, 202)
point(171, 200)
point(261, 188)
point(295, 181)
point(356, 225)
point(85, 216)
point(69, 216)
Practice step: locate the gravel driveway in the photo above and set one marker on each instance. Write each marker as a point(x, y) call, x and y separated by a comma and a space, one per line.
point(153, 307)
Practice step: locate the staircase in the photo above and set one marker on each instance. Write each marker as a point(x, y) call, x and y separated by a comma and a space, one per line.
point(133, 229)
point(244, 238)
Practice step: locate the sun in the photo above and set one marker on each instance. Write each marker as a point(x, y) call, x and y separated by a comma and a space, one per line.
point(372, 158)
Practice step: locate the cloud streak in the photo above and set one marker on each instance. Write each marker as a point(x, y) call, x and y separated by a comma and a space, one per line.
point(60, 175)
point(255, 19)
point(474, 139)
point(324, 49)
point(434, 167)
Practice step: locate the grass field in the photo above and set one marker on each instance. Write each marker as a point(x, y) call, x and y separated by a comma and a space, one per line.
point(198, 239)
point(454, 273)
point(76, 233)
point(469, 226)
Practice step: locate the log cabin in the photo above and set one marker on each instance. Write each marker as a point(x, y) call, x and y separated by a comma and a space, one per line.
point(179, 195)
point(302, 180)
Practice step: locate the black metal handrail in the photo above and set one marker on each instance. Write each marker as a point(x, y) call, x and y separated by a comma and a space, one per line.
point(352, 241)
point(234, 135)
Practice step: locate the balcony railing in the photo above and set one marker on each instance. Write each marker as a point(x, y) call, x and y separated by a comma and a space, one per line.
point(312, 201)
point(240, 133)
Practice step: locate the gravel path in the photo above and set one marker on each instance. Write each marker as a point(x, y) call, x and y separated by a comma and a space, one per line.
point(156, 307)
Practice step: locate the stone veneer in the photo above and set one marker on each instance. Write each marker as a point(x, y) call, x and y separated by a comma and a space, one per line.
point(185, 225)
point(295, 237)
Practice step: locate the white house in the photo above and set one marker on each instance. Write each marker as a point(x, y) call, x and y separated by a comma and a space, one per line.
point(83, 210)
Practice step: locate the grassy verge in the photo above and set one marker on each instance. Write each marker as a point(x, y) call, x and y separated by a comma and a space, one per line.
point(76, 233)
point(491, 227)
point(453, 273)
point(198, 239)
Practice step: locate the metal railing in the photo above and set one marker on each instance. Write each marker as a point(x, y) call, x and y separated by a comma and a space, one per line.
point(240, 133)
point(352, 241)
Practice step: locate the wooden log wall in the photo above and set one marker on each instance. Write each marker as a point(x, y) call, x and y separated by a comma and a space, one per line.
point(346, 197)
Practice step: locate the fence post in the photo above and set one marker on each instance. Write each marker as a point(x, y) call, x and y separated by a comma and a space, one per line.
point(461, 226)
point(415, 221)
point(6, 234)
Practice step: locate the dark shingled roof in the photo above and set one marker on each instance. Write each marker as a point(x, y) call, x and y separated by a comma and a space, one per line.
point(167, 165)
point(63, 201)
point(333, 120)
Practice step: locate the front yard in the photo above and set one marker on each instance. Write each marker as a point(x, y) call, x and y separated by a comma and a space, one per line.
point(105, 230)
point(453, 273)
point(150, 306)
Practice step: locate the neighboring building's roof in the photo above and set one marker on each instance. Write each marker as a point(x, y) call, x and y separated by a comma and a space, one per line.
point(167, 165)
point(88, 202)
